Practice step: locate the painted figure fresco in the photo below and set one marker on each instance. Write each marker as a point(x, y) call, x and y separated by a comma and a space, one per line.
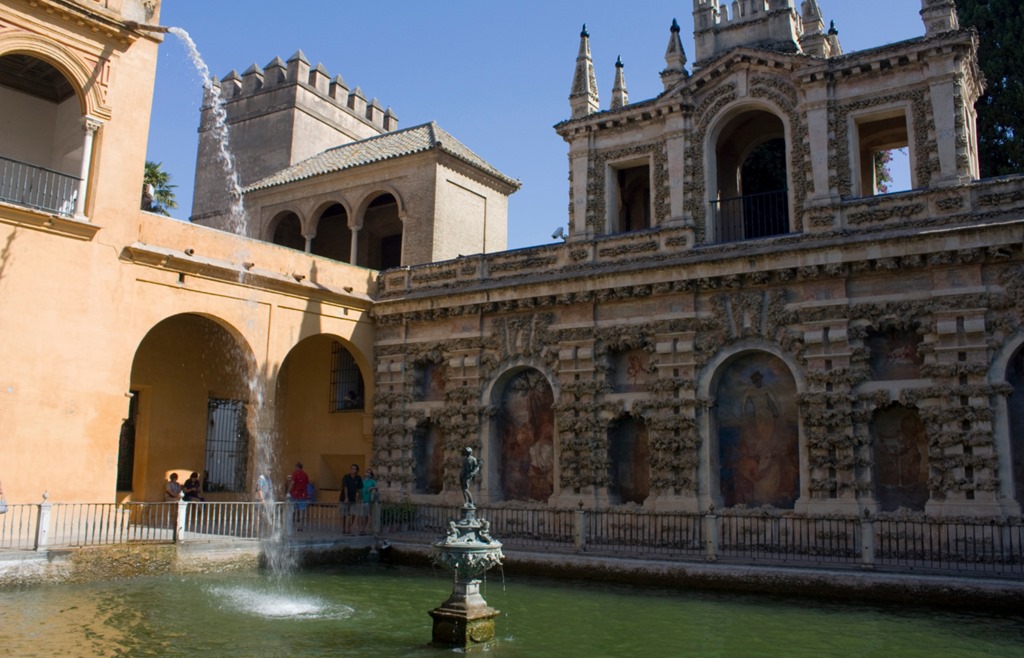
point(894, 354)
point(758, 446)
point(430, 381)
point(1015, 406)
point(428, 455)
point(526, 429)
point(629, 451)
point(901, 459)
point(629, 371)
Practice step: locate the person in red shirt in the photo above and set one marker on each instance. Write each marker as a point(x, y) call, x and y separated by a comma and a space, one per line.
point(299, 491)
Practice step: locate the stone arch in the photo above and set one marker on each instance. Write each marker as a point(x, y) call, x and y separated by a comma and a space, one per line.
point(286, 229)
point(753, 431)
point(84, 79)
point(1006, 372)
point(380, 222)
point(522, 450)
point(331, 231)
point(190, 371)
point(735, 132)
point(900, 447)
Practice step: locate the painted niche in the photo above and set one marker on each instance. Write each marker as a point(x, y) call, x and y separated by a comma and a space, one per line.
point(894, 354)
point(901, 459)
point(758, 444)
point(428, 456)
point(526, 429)
point(629, 451)
point(430, 379)
point(629, 371)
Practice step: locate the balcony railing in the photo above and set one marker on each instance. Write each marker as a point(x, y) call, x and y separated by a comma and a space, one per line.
point(751, 216)
point(36, 187)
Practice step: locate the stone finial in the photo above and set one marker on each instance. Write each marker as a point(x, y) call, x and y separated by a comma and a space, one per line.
point(231, 85)
point(319, 79)
point(252, 79)
point(338, 90)
point(390, 120)
point(835, 50)
point(357, 102)
point(811, 17)
point(939, 16)
point(620, 97)
point(298, 67)
point(675, 58)
point(275, 72)
point(583, 97)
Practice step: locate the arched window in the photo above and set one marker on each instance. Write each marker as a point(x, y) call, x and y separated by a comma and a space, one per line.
point(380, 240)
point(750, 178)
point(333, 236)
point(41, 137)
point(287, 232)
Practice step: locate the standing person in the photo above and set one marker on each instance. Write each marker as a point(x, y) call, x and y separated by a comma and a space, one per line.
point(351, 486)
point(193, 487)
point(370, 496)
point(299, 491)
point(172, 492)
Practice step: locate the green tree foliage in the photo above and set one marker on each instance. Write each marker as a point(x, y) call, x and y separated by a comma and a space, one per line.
point(1000, 25)
point(157, 191)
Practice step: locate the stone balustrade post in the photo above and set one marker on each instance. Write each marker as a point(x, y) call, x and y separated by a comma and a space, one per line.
point(711, 535)
point(181, 512)
point(43, 522)
point(580, 543)
point(867, 541)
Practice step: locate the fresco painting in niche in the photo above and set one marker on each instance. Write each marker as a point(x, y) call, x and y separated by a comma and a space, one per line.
point(629, 451)
point(758, 445)
point(894, 354)
point(1015, 407)
point(629, 371)
point(526, 428)
point(431, 381)
point(428, 455)
point(901, 459)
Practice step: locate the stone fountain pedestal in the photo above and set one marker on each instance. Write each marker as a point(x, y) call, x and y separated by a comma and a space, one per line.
point(468, 551)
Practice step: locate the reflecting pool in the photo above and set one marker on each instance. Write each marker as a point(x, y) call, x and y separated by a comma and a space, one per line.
point(381, 611)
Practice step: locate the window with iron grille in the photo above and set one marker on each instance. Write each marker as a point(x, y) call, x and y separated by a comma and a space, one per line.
point(126, 445)
point(227, 446)
point(347, 392)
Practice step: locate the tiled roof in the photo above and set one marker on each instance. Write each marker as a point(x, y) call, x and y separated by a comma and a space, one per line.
point(408, 141)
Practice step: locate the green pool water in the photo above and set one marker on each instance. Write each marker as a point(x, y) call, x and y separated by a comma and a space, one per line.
point(382, 611)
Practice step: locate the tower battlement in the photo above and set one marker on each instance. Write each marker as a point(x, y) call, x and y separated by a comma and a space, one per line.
point(720, 26)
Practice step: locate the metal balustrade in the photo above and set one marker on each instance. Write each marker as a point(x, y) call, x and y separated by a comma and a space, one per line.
point(37, 187)
point(963, 547)
point(751, 216)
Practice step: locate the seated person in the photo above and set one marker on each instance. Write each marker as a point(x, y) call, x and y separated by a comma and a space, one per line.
point(172, 492)
point(193, 488)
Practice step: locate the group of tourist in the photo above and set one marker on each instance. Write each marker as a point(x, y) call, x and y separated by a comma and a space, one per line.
point(190, 491)
point(357, 493)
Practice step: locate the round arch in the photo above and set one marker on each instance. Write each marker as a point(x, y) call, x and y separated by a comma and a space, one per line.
point(733, 395)
point(1008, 444)
point(77, 73)
point(369, 197)
point(287, 229)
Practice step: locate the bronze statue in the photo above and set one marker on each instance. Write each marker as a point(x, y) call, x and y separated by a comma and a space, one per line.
point(470, 469)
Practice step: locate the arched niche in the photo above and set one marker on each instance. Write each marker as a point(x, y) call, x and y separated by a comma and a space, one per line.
point(1015, 413)
point(525, 425)
point(900, 444)
point(629, 455)
point(428, 458)
point(757, 432)
point(380, 238)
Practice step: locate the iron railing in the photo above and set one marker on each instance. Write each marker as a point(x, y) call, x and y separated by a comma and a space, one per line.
point(964, 547)
point(751, 216)
point(37, 187)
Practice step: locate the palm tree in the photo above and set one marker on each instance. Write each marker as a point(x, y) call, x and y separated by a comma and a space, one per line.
point(157, 191)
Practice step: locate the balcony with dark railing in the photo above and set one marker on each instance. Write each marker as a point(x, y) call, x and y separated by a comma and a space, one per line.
point(37, 187)
point(751, 216)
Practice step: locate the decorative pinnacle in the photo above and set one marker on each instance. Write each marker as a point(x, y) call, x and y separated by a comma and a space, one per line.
point(618, 62)
point(675, 26)
point(832, 28)
point(584, 33)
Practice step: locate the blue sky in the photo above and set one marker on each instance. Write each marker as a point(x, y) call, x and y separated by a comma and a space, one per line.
point(495, 75)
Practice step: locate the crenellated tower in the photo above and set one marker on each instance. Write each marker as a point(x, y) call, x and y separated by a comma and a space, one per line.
point(279, 115)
